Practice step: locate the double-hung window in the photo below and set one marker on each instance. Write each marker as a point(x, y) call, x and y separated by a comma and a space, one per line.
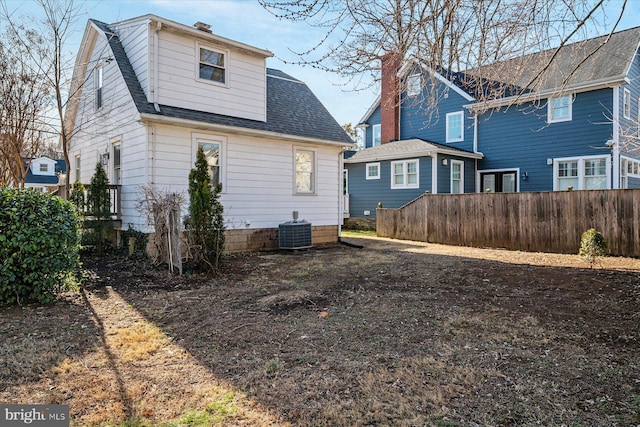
point(44, 167)
point(373, 171)
point(559, 109)
point(99, 84)
point(213, 147)
point(414, 83)
point(626, 104)
point(455, 126)
point(305, 171)
point(212, 65)
point(116, 163)
point(587, 173)
point(376, 136)
point(457, 177)
point(405, 174)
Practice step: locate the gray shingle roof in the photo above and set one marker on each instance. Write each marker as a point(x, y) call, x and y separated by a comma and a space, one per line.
point(598, 59)
point(407, 148)
point(292, 108)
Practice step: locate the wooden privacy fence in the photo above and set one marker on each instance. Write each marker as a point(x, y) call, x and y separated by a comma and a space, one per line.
point(537, 222)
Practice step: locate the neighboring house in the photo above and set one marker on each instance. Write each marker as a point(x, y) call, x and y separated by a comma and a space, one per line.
point(43, 174)
point(151, 91)
point(568, 128)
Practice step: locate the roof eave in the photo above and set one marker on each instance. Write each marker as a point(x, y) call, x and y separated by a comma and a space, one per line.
point(238, 130)
point(604, 83)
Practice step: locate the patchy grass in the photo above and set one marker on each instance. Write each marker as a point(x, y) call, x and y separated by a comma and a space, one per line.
point(396, 333)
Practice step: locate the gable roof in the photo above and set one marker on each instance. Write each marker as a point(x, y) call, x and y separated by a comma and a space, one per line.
point(584, 65)
point(415, 147)
point(292, 108)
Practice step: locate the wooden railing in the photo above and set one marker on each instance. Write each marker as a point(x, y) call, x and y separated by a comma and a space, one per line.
point(114, 199)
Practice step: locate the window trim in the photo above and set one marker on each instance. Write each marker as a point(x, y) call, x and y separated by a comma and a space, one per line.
point(451, 180)
point(116, 176)
point(46, 167)
point(314, 172)
point(99, 92)
point(369, 176)
point(225, 52)
point(551, 109)
point(377, 127)
point(414, 88)
point(626, 104)
point(77, 167)
point(196, 138)
point(448, 137)
point(581, 170)
point(405, 174)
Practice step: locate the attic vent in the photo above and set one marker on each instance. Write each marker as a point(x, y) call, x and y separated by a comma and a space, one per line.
point(203, 27)
point(294, 234)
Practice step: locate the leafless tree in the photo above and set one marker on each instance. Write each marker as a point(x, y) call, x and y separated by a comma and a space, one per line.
point(25, 97)
point(446, 36)
point(55, 27)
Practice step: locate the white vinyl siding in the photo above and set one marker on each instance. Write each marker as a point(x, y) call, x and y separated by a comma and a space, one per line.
point(559, 109)
point(243, 95)
point(373, 170)
point(582, 173)
point(405, 174)
point(455, 126)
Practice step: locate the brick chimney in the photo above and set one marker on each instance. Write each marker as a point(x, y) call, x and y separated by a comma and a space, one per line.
point(390, 98)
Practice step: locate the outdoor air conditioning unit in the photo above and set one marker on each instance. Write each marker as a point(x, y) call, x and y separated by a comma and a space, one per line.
point(294, 234)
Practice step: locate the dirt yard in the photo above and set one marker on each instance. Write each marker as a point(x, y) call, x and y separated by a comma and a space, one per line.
point(393, 334)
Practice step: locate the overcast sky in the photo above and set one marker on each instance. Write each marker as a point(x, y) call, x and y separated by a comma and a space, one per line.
point(246, 21)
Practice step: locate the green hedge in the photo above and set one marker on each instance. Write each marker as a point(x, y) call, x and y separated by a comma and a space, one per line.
point(39, 243)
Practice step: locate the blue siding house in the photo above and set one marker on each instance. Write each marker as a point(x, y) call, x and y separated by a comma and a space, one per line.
point(569, 120)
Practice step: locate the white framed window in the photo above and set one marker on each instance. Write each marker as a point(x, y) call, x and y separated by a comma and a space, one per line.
point(212, 64)
point(626, 104)
point(376, 135)
point(373, 171)
point(638, 120)
point(628, 168)
point(304, 170)
point(455, 126)
point(559, 109)
point(76, 165)
point(457, 177)
point(99, 87)
point(414, 84)
point(214, 148)
point(116, 163)
point(405, 174)
point(582, 173)
point(43, 167)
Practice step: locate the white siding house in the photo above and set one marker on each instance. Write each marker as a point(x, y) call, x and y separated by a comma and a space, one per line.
point(149, 91)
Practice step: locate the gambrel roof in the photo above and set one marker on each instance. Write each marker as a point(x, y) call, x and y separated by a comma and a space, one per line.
point(292, 108)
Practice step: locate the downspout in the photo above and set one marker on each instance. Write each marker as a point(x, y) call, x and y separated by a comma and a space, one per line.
point(156, 58)
point(615, 151)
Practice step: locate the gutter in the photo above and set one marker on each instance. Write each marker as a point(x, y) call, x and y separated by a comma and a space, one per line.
point(603, 83)
point(152, 118)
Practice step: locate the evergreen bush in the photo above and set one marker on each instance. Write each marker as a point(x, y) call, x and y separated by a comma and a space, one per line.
point(99, 208)
point(205, 223)
point(39, 245)
point(592, 246)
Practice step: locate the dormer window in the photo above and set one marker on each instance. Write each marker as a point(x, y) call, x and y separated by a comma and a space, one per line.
point(212, 65)
point(44, 167)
